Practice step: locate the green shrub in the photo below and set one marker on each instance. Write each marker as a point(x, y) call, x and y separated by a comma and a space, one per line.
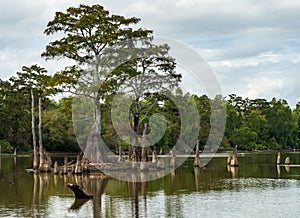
point(6, 147)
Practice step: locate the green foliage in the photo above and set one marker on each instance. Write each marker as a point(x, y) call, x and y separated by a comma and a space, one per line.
point(6, 147)
point(58, 132)
point(14, 115)
point(244, 138)
point(274, 123)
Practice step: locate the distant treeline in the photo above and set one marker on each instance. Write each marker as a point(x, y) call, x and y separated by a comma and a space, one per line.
point(255, 124)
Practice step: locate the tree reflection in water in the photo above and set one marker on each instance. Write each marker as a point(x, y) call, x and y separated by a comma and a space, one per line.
point(171, 195)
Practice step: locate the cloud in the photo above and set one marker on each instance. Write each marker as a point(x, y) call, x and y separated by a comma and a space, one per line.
point(253, 46)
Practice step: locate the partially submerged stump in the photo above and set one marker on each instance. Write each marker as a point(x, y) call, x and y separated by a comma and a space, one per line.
point(234, 159)
point(85, 165)
point(35, 158)
point(45, 165)
point(278, 158)
point(65, 168)
point(78, 169)
point(173, 158)
point(55, 169)
point(197, 157)
point(154, 156)
point(160, 151)
point(234, 162)
point(79, 192)
point(287, 161)
point(120, 158)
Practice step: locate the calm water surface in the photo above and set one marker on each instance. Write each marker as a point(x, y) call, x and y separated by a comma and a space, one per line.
point(257, 188)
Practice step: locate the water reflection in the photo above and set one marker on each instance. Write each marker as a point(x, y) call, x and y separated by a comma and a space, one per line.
point(15, 161)
point(278, 171)
point(78, 203)
point(234, 170)
point(180, 193)
point(287, 168)
point(197, 173)
point(43, 179)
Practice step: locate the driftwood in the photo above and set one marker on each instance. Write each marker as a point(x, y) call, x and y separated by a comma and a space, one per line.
point(79, 192)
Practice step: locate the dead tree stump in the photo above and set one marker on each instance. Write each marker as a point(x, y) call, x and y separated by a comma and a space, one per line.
point(55, 169)
point(197, 156)
point(154, 156)
point(234, 159)
point(78, 169)
point(278, 158)
point(65, 168)
point(120, 158)
point(287, 161)
point(173, 158)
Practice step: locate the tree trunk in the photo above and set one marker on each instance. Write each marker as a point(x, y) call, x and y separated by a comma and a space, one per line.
point(130, 149)
point(196, 161)
point(144, 146)
point(35, 155)
point(96, 96)
point(41, 149)
point(95, 149)
point(136, 150)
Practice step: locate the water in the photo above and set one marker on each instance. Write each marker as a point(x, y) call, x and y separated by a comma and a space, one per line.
point(257, 188)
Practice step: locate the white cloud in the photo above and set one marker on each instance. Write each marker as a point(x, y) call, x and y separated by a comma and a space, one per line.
point(253, 46)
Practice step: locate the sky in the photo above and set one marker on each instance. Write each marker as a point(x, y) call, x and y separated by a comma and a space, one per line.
point(252, 46)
